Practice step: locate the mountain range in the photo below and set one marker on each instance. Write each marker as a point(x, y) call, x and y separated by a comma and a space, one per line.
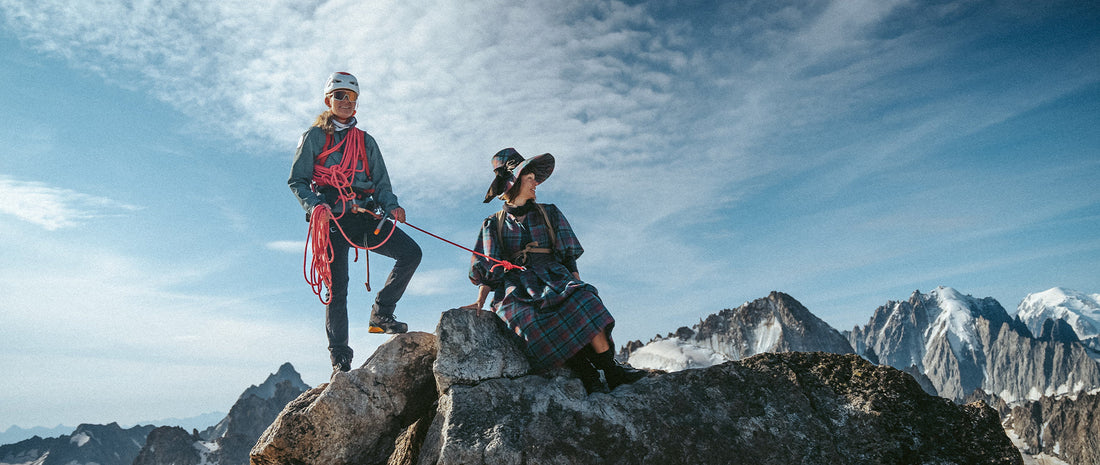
point(225, 443)
point(1035, 367)
point(957, 342)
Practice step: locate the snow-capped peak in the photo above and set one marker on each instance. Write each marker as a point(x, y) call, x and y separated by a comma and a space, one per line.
point(954, 315)
point(1080, 310)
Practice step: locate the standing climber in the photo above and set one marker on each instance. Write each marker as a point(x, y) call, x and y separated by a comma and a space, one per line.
point(561, 319)
point(338, 174)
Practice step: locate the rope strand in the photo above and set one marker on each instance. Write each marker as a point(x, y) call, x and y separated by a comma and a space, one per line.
point(318, 273)
point(508, 266)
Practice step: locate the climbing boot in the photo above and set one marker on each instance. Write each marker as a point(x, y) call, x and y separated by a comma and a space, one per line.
point(341, 360)
point(386, 324)
point(616, 373)
point(341, 364)
point(589, 375)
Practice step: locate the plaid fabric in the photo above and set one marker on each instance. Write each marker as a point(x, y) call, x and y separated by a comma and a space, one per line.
point(553, 312)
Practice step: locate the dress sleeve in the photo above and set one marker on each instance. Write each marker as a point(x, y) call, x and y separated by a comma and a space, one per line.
point(481, 270)
point(568, 248)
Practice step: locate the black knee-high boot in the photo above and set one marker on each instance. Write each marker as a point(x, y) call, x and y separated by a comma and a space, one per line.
point(588, 374)
point(615, 373)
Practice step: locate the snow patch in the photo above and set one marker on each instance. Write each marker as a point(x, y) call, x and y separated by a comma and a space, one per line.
point(80, 439)
point(205, 449)
point(1041, 459)
point(955, 319)
point(674, 355)
point(766, 336)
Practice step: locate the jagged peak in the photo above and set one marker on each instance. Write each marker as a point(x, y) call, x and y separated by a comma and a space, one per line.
point(1058, 330)
point(266, 390)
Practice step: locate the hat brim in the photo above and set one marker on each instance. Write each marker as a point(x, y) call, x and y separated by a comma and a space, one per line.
point(541, 165)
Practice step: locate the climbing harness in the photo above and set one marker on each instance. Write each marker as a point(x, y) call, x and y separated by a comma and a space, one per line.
point(338, 177)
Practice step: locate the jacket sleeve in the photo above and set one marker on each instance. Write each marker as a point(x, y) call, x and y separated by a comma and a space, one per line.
point(380, 177)
point(301, 170)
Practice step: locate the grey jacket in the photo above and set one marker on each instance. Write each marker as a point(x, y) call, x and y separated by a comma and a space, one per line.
point(312, 144)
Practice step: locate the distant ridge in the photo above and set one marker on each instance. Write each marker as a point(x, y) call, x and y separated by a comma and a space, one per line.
point(15, 434)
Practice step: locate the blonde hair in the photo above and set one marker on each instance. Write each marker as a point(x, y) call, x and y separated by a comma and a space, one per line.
point(324, 121)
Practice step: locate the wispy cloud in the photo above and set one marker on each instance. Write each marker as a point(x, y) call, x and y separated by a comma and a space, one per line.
point(287, 246)
point(54, 208)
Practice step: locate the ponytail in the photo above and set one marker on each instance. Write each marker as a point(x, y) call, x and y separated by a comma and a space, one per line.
point(324, 121)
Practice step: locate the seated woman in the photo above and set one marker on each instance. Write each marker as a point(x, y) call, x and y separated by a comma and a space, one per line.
point(561, 318)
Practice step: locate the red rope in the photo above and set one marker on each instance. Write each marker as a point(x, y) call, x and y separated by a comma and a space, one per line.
point(340, 176)
point(318, 273)
point(508, 266)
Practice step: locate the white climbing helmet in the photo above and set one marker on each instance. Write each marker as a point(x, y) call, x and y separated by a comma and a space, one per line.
point(341, 80)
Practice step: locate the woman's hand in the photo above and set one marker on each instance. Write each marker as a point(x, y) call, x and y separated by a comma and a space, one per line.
point(482, 293)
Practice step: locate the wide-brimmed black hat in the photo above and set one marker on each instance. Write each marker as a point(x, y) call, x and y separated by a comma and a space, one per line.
point(508, 164)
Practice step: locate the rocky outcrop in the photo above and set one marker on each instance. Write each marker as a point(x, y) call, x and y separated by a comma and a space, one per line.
point(478, 347)
point(1058, 331)
point(367, 415)
point(1064, 427)
point(777, 323)
point(767, 409)
point(102, 444)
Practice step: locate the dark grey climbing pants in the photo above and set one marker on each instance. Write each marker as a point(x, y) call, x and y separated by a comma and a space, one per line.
point(400, 247)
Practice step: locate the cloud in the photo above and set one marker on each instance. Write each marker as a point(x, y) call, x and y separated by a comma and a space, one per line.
point(54, 208)
point(438, 282)
point(287, 246)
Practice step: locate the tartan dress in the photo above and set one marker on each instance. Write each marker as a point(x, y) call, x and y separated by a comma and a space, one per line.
point(554, 313)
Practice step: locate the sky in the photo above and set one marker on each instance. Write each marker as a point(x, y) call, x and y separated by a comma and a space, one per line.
point(845, 152)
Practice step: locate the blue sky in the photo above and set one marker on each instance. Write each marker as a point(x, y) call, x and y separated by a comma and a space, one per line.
point(844, 152)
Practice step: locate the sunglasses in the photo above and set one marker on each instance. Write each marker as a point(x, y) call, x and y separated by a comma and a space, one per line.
point(344, 95)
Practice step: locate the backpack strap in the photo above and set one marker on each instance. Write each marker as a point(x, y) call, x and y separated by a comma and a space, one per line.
point(500, 229)
point(549, 227)
point(531, 247)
